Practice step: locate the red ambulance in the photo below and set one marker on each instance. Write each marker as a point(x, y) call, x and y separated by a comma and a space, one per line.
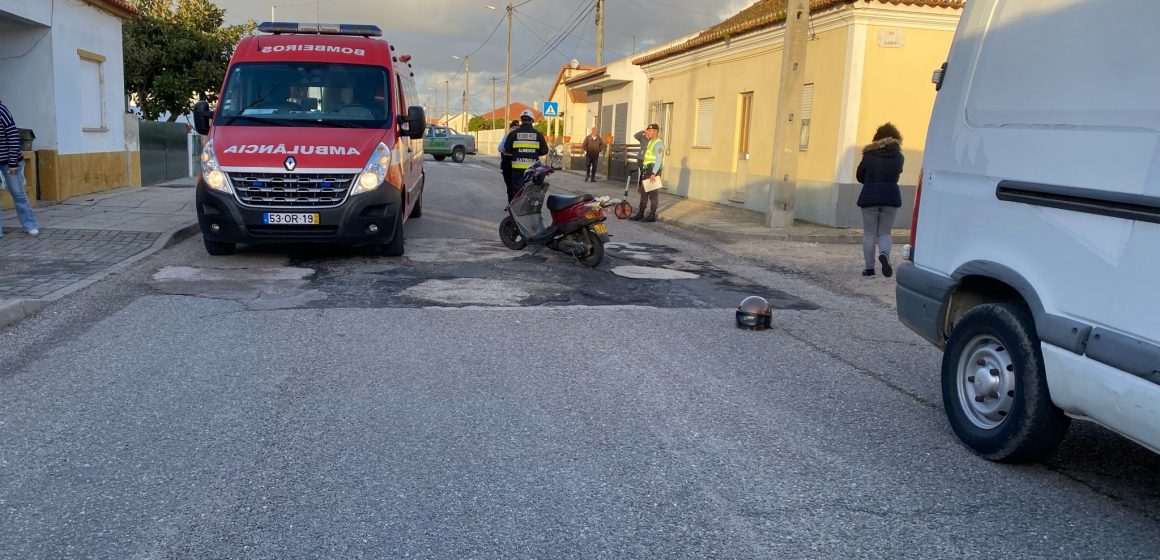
point(313, 140)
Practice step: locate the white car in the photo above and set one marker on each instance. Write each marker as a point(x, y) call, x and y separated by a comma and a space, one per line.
point(1036, 252)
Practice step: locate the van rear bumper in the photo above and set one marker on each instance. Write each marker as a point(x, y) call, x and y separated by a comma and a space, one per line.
point(348, 224)
point(921, 298)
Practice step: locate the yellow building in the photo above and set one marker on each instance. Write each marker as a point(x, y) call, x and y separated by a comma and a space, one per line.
point(867, 62)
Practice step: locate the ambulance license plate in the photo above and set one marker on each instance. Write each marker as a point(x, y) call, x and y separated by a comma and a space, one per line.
point(281, 219)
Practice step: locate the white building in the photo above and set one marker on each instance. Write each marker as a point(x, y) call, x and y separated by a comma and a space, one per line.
point(63, 75)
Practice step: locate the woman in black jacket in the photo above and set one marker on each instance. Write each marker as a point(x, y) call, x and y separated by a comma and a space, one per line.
point(880, 198)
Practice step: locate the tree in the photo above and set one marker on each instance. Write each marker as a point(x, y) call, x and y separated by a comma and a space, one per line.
point(480, 123)
point(177, 50)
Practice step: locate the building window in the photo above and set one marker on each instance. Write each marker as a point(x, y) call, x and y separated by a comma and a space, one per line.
point(745, 118)
point(91, 80)
point(661, 114)
point(807, 114)
point(703, 135)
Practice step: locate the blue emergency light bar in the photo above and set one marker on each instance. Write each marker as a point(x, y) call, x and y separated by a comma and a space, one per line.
point(277, 27)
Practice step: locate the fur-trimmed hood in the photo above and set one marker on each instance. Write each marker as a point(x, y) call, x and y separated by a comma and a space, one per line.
point(883, 144)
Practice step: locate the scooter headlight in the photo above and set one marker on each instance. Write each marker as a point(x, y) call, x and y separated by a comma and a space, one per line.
point(375, 172)
point(212, 172)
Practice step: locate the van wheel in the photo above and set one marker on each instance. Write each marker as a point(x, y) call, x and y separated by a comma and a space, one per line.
point(439, 158)
point(995, 389)
point(458, 154)
point(396, 247)
point(219, 248)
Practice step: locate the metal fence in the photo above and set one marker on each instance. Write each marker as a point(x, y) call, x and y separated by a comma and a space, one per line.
point(165, 154)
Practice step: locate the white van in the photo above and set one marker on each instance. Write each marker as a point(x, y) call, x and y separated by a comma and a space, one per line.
point(1036, 253)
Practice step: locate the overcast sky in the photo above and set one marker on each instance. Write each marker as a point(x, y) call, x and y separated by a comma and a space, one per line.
point(435, 30)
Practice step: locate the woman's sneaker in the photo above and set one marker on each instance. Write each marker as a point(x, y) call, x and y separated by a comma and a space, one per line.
point(869, 272)
point(887, 271)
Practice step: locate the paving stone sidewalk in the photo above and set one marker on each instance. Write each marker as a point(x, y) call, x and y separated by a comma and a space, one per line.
point(86, 238)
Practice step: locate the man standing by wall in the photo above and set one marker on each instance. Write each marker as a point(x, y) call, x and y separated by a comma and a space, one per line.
point(593, 146)
point(12, 171)
point(651, 162)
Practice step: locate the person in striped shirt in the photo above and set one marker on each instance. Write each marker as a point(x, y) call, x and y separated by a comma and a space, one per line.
point(12, 171)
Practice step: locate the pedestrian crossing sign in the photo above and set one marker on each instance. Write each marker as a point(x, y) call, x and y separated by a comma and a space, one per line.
point(551, 109)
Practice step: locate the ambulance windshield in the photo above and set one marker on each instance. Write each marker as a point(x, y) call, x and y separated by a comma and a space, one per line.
point(306, 94)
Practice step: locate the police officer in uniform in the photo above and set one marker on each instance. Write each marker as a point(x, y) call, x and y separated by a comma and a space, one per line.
point(526, 145)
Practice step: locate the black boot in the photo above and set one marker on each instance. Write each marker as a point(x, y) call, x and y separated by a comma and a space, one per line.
point(652, 217)
point(636, 217)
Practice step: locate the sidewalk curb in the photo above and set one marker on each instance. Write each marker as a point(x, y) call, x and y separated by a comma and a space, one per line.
point(16, 310)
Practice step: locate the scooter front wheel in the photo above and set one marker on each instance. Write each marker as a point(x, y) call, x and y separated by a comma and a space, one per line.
point(595, 250)
point(510, 234)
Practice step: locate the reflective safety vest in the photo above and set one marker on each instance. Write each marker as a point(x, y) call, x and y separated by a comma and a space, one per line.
point(650, 154)
point(527, 145)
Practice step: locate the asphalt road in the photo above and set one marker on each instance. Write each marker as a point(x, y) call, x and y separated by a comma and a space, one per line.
point(467, 401)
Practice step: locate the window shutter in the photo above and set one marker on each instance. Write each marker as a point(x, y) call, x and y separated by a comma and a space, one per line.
point(806, 115)
point(705, 109)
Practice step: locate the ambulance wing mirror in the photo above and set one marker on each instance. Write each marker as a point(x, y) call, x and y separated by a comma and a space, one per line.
point(201, 117)
point(415, 123)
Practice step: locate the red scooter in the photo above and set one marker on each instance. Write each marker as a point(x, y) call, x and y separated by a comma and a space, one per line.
point(577, 225)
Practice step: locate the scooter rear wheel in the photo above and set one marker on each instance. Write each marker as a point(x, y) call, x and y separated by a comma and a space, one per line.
point(595, 250)
point(510, 234)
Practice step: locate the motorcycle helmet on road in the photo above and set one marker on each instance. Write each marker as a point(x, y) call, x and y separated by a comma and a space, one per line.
point(754, 314)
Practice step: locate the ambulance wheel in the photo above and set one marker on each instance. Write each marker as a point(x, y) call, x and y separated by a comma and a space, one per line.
point(220, 248)
point(417, 209)
point(439, 158)
point(458, 154)
point(396, 247)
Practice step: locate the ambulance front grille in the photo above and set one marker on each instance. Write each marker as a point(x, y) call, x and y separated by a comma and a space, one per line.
point(291, 190)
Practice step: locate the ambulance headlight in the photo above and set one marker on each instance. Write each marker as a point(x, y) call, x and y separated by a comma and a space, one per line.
point(214, 177)
point(375, 171)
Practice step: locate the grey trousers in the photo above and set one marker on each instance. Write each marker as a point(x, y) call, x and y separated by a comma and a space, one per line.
point(876, 224)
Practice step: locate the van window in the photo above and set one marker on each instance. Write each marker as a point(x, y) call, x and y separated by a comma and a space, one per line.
point(1068, 63)
point(306, 94)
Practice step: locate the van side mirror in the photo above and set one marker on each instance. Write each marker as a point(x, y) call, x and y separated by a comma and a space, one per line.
point(415, 121)
point(201, 117)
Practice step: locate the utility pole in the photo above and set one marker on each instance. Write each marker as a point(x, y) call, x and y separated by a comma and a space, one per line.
point(787, 127)
point(466, 92)
point(507, 93)
point(494, 109)
point(272, 18)
point(599, 32)
point(447, 102)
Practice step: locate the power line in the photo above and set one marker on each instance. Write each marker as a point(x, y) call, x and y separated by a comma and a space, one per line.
point(575, 18)
point(557, 39)
point(580, 37)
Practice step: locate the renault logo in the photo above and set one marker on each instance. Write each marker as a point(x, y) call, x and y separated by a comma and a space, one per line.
point(291, 163)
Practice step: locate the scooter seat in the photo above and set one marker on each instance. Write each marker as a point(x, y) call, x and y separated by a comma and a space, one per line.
point(560, 202)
